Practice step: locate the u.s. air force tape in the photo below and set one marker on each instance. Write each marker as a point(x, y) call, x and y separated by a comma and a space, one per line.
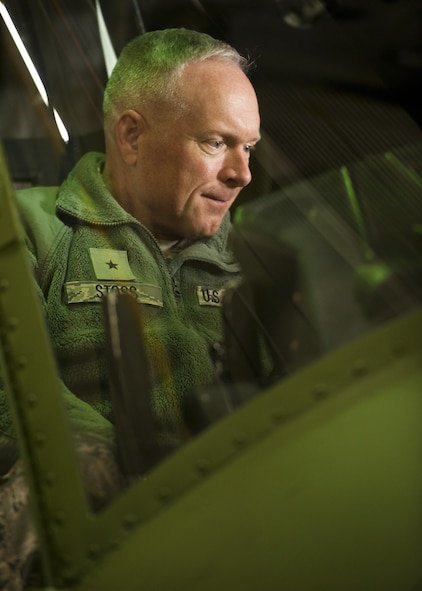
point(84, 292)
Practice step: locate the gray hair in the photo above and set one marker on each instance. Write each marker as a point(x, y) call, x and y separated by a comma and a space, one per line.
point(150, 65)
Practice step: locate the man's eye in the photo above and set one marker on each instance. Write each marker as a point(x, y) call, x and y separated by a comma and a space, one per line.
point(215, 144)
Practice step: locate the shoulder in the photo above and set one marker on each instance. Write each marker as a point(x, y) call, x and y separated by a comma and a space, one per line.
point(37, 209)
point(37, 202)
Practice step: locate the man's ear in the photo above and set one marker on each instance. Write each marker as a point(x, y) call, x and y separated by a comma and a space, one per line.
point(127, 130)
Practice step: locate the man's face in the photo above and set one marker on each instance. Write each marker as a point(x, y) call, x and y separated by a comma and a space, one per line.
point(191, 168)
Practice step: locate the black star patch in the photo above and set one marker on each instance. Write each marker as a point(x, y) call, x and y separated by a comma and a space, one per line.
point(111, 265)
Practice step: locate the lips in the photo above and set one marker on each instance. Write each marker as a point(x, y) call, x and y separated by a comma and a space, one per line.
point(215, 198)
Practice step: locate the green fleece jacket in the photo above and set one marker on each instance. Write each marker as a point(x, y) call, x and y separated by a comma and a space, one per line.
point(82, 244)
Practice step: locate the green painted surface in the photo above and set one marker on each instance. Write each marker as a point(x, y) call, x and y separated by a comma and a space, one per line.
point(316, 484)
point(330, 500)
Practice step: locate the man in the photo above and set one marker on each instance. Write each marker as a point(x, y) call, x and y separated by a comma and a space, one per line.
point(151, 217)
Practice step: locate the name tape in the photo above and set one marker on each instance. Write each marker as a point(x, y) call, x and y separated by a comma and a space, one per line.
point(84, 292)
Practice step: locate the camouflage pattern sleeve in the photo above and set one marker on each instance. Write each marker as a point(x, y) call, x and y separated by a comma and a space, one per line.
point(19, 555)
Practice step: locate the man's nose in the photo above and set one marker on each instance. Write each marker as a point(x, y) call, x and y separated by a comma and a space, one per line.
point(235, 170)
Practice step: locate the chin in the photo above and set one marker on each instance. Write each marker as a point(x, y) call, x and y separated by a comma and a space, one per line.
point(207, 232)
point(204, 228)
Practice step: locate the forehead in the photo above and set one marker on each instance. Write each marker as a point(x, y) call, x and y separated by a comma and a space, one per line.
point(218, 90)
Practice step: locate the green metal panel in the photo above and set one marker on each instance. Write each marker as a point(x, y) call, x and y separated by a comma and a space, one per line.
point(31, 380)
point(328, 498)
point(316, 484)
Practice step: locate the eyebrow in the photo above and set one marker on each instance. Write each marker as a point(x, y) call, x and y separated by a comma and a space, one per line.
point(233, 137)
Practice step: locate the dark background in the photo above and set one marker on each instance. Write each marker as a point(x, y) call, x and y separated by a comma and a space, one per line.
point(344, 85)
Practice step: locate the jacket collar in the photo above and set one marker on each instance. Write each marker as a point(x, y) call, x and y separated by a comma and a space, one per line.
point(84, 196)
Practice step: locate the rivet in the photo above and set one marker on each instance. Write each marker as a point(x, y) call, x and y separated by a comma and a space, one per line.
point(398, 349)
point(239, 439)
point(32, 399)
point(202, 466)
point(93, 550)
point(40, 439)
point(278, 415)
point(50, 478)
point(12, 323)
point(359, 368)
point(60, 517)
point(68, 573)
point(164, 494)
point(129, 521)
point(320, 391)
point(21, 362)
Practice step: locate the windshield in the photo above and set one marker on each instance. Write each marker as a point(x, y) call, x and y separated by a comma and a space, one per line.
point(328, 234)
